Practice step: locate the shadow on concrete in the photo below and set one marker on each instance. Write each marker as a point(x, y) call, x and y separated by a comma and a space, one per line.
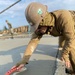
point(35, 67)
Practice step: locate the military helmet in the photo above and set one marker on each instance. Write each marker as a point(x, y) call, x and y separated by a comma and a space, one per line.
point(34, 13)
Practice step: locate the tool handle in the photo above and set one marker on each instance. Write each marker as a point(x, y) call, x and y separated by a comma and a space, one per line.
point(11, 71)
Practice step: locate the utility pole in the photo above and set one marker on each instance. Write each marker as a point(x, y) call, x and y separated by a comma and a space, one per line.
point(9, 6)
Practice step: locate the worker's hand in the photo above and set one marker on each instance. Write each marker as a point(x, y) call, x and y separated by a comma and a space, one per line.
point(67, 63)
point(18, 67)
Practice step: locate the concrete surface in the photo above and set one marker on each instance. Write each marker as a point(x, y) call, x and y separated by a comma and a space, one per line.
point(42, 62)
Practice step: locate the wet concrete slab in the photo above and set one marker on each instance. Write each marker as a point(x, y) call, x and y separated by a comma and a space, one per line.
point(42, 61)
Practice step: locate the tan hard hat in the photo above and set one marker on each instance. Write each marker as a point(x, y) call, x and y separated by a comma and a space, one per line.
point(34, 13)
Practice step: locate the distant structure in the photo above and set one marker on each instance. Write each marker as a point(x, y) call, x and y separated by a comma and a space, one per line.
point(18, 30)
point(22, 29)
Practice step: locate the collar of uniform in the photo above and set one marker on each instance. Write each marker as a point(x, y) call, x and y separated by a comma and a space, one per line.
point(48, 20)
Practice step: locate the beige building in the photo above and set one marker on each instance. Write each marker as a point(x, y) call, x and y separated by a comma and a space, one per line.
point(19, 30)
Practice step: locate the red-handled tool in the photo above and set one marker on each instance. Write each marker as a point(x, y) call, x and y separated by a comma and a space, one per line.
point(11, 71)
point(15, 70)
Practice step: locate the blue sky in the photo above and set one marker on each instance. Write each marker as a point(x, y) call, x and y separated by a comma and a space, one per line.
point(16, 17)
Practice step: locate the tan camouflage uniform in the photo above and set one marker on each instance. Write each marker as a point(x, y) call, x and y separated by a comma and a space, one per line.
point(58, 23)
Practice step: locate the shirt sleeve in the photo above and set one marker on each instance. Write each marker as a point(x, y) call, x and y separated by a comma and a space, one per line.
point(68, 32)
